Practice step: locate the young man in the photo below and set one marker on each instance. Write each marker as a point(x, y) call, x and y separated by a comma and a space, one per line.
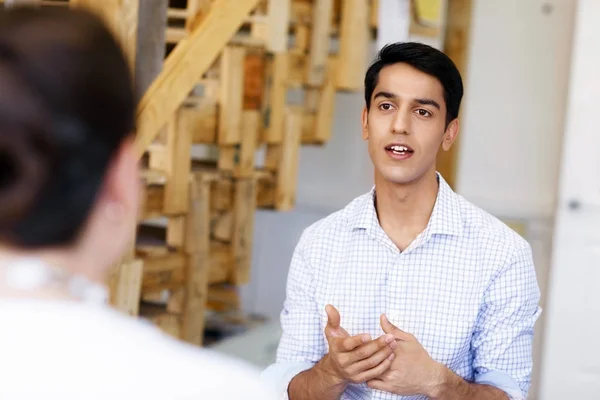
point(410, 291)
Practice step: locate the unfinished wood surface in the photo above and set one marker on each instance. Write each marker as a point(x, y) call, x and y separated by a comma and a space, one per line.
point(150, 44)
point(202, 122)
point(277, 98)
point(243, 229)
point(285, 191)
point(164, 272)
point(251, 120)
point(231, 95)
point(319, 42)
point(279, 15)
point(197, 249)
point(273, 157)
point(13, 3)
point(456, 45)
point(222, 226)
point(326, 109)
point(254, 70)
point(125, 295)
point(179, 76)
point(179, 145)
point(222, 195)
point(354, 44)
point(176, 231)
point(265, 189)
point(121, 17)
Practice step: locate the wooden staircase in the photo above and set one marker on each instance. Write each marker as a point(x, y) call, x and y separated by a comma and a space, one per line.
point(215, 77)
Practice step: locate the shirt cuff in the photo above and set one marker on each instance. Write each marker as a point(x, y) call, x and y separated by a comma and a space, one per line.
point(503, 382)
point(280, 375)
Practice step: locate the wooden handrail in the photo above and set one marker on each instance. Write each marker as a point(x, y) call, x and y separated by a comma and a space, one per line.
point(186, 64)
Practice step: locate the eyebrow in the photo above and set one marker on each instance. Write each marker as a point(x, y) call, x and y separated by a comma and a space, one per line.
point(392, 96)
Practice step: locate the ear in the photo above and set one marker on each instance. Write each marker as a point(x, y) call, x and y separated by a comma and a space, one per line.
point(450, 134)
point(365, 123)
point(122, 184)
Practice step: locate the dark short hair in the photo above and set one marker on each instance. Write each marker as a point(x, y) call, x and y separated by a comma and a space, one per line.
point(66, 105)
point(426, 59)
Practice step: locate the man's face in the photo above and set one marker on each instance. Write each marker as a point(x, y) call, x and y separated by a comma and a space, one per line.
point(406, 124)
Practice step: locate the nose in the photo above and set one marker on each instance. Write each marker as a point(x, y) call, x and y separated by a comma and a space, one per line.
point(401, 122)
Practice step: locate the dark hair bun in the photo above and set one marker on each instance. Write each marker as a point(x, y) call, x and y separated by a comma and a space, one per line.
point(66, 104)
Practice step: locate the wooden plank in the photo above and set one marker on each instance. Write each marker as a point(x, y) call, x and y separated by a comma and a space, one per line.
point(121, 17)
point(222, 226)
point(326, 108)
point(221, 262)
point(197, 249)
point(179, 145)
point(125, 296)
point(222, 195)
point(265, 190)
point(202, 121)
point(277, 99)
point(251, 121)
point(164, 272)
point(150, 45)
point(27, 3)
point(243, 229)
point(273, 157)
point(456, 46)
point(153, 202)
point(279, 16)
point(354, 44)
point(285, 190)
point(231, 95)
point(179, 76)
point(254, 73)
point(176, 231)
point(319, 42)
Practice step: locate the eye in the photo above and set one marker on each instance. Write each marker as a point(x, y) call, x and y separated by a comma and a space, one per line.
point(423, 113)
point(386, 106)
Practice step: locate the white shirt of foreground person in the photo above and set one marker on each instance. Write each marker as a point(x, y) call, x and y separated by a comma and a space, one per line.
point(466, 288)
point(67, 349)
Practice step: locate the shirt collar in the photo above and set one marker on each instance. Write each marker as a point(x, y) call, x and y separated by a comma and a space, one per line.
point(445, 218)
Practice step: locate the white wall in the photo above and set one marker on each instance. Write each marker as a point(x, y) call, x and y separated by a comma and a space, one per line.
point(514, 105)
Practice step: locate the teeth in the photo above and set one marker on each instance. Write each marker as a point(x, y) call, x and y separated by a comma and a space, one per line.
point(399, 148)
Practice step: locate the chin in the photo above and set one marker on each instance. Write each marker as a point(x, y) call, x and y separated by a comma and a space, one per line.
point(400, 177)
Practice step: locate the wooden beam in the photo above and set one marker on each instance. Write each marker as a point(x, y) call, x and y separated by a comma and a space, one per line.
point(279, 16)
point(231, 95)
point(319, 42)
point(179, 145)
point(121, 17)
point(456, 45)
point(151, 33)
point(243, 229)
point(197, 246)
point(285, 191)
point(179, 75)
point(277, 99)
point(354, 44)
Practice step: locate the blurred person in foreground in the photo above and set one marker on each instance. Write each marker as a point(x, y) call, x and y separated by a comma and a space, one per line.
point(410, 291)
point(69, 188)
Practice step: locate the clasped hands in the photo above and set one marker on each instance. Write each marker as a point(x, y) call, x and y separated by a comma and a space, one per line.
point(395, 362)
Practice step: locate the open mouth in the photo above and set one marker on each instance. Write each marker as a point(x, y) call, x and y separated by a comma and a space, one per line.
point(399, 150)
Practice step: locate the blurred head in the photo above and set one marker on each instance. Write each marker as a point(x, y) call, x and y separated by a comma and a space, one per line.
point(68, 175)
point(412, 96)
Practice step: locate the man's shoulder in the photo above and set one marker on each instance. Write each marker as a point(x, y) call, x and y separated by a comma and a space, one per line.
point(334, 224)
point(487, 228)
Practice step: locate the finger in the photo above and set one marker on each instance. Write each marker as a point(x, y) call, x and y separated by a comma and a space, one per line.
point(376, 372)
point(351, 343)
point(377, 384)
point(368, 349)
point(371, 362)
point(390, 328)
point(333, 323)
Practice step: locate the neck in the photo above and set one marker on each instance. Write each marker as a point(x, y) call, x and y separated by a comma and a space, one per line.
point(65, 261)
point(404, 210)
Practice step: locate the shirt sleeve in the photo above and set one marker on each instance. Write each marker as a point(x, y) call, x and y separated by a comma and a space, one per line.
point(302, 342)
point(502, 342)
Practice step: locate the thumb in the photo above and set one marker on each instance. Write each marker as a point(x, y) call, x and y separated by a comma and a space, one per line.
point(333, 321)
point(388, 327)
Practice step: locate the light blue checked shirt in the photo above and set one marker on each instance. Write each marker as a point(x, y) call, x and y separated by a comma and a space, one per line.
point(465, 287)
